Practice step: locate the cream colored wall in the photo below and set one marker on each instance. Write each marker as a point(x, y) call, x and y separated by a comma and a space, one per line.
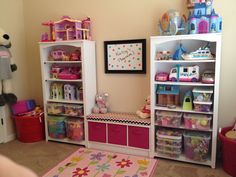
point(126, 19)
point(12, 21)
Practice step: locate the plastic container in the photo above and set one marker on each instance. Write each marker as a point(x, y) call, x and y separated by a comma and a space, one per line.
point(75, 129)
point(228, 147)
point(202, 94)
point(56, 127)
point(196, 145)
point(165, 118)
point(55, 108)
point(197, 121)
point(29, 129)
point(202, 106)
point(169, 142)
point(73, 110)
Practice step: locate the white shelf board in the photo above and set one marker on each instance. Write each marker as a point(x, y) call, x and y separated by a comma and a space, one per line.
point(184, 61)
point(179, 109)
point(184, 159)
point(64, 80)
point(65, 101)
point(79, 117)
point(67, 140)
point(184, 128)
point(184, 83)
point(66, 62)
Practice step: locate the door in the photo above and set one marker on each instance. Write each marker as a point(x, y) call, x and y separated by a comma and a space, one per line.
point(203, 27)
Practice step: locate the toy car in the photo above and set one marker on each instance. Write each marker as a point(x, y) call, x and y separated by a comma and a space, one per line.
point(208, 77)
point(162, 76)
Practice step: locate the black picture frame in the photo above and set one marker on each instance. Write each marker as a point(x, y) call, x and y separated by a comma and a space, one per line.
point(125, 56)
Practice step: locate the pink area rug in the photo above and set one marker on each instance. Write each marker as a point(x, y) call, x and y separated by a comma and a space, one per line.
point(96, 163)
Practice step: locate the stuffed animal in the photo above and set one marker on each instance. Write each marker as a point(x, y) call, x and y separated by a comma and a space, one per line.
point(101, 103)
point(144, 112)
point(6, 69)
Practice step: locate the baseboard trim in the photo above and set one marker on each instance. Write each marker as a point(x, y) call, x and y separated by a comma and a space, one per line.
point(10, 138)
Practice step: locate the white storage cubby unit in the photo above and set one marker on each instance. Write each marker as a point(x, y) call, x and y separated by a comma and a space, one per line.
point(83, 83)
point(190, 43)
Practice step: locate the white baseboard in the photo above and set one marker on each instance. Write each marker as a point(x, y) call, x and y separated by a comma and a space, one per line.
point(10, 138)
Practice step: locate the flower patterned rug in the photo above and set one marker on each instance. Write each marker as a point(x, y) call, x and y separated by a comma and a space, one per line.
point(96, 163)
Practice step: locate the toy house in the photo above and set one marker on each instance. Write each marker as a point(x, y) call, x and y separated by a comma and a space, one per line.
point(167, 95)
point(56, 91)
point(68, 29)
point(69, 92)
point(202, 17)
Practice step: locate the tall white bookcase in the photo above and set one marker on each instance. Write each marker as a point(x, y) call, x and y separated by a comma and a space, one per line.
point(88, 80)
point(191, 43)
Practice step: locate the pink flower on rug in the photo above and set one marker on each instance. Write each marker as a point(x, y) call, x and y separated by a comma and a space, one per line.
point(80, 172)
point(124, 163)
point(106, 175)
point(144, 173)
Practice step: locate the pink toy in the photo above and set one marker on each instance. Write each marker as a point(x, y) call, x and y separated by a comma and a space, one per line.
point(75, 129)
point(70, 73)
point(69, 92)
point(69, 29)
point(162, 76)
point(101, 103)
point(58, 55)
point(76, 55)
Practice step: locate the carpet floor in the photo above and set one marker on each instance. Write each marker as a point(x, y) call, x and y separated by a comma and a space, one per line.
point(42, 156)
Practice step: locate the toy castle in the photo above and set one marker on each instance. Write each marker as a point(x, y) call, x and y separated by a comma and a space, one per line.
point(202, 17)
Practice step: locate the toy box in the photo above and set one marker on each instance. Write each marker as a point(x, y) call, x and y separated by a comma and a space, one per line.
point(196, 145)
point(23, 106)
point(202, 94)
point(55, 108)
point(75, 129)
point(197, 121)
point(73, 110)
point(172, 119)
point(202, 106)
point(169, 142)
point(56, 127)
point(162, 76)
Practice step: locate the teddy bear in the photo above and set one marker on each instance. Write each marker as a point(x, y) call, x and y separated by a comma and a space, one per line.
point(144, 112)
point(101, 103)
point(6, 69)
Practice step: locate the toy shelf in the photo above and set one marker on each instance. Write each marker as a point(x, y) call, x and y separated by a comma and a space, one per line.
point(184, 83)
point(84, 89)
point(174, 92)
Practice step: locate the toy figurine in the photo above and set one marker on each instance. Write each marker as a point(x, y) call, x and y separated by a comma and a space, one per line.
point(101, 103)
point(144, 112)
point(188, 102)
point(179, 52)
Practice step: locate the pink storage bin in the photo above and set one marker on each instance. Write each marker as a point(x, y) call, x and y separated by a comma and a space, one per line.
point(166, 118)
point(197, 121)
point(138, 137)
point(196, 145)
point(117, 134)
point(202, 106)
point(97, 132)
point(75, 129)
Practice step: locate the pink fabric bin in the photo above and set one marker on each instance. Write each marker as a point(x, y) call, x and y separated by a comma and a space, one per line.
point(138, 137)
point(117, 134)
point(97, 132)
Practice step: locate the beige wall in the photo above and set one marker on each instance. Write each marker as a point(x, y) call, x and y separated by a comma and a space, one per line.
point(12, 21)
point(126, 19)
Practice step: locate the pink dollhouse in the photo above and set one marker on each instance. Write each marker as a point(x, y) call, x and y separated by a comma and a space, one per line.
point(68, 29)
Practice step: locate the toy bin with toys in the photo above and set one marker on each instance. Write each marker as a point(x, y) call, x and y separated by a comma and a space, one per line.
point(202, 94)
point(169, 142)
point(202, 106)
point(75, 129)
point(73, 110)
point(197, 121)
point(196, 145)
point(55, 108)
point(168, 118)
point(56, 127)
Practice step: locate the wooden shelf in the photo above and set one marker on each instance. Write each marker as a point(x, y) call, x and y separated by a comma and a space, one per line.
point(184, 83)
point(179, 109)
point(67, 140)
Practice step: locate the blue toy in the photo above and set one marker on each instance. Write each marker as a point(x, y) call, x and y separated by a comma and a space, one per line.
point(179, 52)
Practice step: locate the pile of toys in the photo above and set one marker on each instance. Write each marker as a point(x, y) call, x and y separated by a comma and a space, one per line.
point(60, 91)
point(63, 55)
point(65, 72)
point(65, 109)
point(67, 28)
point(202, 19)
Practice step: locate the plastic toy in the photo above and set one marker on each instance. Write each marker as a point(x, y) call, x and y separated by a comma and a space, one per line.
point(70, 73)
point(76, 55)
point(197, 121)
point(69, 92)
point(179, 52)
point(73, 110)
point(144, 112)
point(202, 106)
point(7, 67)
point(208, 77)
point(167, 95)
point(56, 91)
point(23, 106)
point(79, 93)
point(68, 29)
point(55, 108)
point(184, 74)
point(188, 102)
point(162, 76)
point(101, 103)
point(58, 55)
point(75, 129)
point(171, 23)
point(167, 118)
point(231, 133)
point(203, 53)
point(56, 127)
point(202, 94)
point(202, 17)
point(163, 55)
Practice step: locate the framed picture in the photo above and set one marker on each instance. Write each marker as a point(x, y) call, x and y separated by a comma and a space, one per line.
point(125, 56)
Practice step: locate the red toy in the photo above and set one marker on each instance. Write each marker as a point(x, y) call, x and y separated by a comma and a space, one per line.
point(162, 76)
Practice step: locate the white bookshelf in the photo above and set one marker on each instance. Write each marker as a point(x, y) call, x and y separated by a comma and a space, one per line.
point(88, 80)
point(191, 43)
